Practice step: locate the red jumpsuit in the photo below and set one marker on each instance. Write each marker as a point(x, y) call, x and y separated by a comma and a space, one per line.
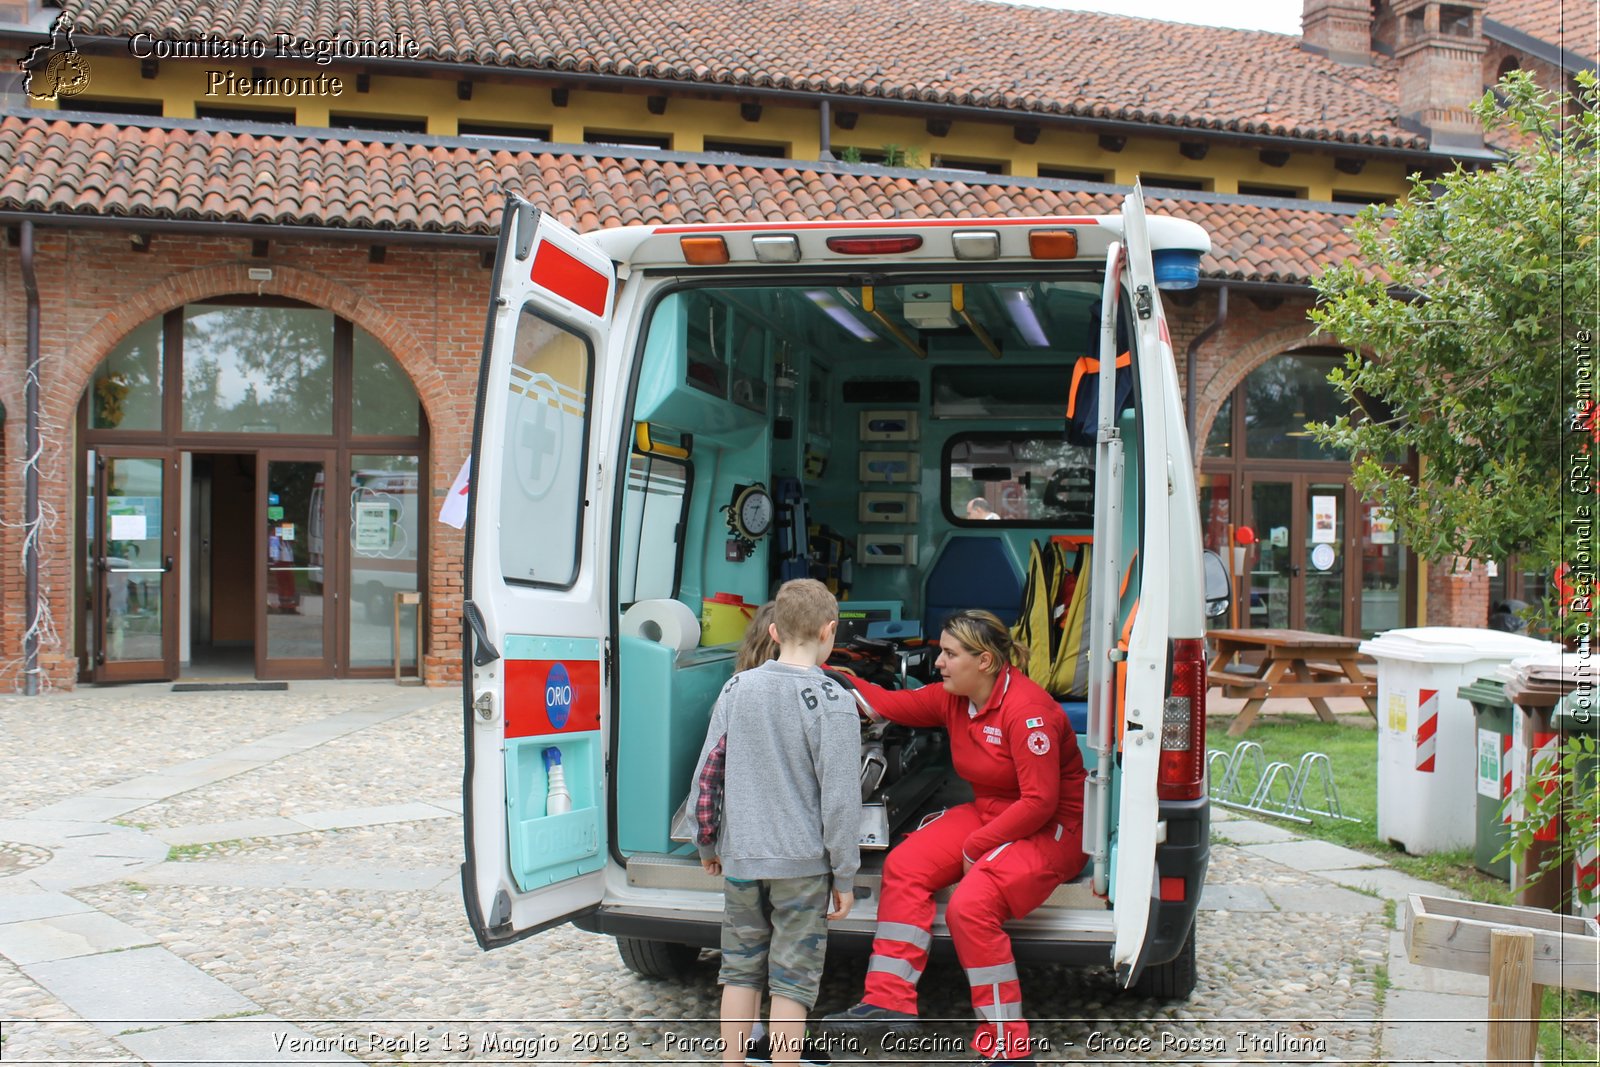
point(1023, 834)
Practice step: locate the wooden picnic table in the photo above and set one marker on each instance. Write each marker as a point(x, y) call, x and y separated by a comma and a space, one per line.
point(1294, 663)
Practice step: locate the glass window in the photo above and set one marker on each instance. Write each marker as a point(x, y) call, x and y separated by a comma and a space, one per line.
point(257, 369)
point(989, 392)
point(127, 384)
point(1018, 478)
point(384, 400)
point(541, 486)
point(384, 502)
point(1219, 442)
point(1281, 396)
point(652, 525)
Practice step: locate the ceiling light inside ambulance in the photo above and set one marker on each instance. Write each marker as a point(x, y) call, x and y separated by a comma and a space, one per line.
point(704, 251)
point(1053, 244)
point(976, 244)
point(778, 248)
point(875, 246)
point(838, 313)
point(1020, 307)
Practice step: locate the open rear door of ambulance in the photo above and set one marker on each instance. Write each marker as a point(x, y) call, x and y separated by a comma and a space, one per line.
point(1133, 884)
point(535, 644)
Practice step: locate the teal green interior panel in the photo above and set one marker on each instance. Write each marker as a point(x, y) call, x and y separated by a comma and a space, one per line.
point(664, 706)
point(550, 848)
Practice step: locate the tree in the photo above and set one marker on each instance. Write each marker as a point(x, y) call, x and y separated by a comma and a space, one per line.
point(1476, 302)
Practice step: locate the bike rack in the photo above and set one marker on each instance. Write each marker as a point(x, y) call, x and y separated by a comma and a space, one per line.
point(1280, 790)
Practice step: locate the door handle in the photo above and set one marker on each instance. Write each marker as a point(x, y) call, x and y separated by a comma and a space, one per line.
point(485, 652)
point(1294, 570)
point(166, 566)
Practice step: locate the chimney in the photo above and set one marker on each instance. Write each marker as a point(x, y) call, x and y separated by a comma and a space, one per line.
point(1439, 49)
point(1338, 29)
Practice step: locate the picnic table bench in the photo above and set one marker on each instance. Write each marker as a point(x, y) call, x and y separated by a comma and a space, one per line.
point(1294, 663)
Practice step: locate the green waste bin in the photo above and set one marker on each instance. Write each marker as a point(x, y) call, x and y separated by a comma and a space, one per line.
point(1578, 713)
point(1494, 717)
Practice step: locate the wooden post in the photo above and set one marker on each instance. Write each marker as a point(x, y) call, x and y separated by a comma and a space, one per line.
point(1514, 1000)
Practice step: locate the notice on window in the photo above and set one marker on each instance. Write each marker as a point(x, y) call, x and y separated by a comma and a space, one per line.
point(286, 531)
point(1324, 519)
point(1382, 526)
point(129, 527)
point(373, 527)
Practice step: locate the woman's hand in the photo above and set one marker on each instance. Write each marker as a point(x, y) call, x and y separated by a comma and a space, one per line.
point(712, 866)
point(966, 864)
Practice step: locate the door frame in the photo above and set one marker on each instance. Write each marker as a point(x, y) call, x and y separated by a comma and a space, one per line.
point(1300, 482)
point(285, 668)
point(168, 559)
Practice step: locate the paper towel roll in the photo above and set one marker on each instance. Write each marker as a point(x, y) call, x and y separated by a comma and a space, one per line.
point(666, 622)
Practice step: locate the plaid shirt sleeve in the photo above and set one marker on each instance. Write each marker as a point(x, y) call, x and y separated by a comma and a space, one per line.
point(708, 795)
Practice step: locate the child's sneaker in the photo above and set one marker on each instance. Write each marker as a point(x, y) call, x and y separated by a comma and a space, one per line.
point(759, 1053)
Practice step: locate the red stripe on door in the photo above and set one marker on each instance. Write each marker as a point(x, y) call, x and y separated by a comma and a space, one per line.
point(563, 274)
point(549, 696)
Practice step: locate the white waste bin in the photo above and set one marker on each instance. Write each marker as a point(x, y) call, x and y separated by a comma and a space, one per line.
point(1427, 741)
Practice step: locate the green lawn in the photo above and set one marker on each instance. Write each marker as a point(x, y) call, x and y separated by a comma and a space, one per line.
point(1352, 750)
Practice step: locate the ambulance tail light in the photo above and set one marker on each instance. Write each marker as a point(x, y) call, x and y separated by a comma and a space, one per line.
point(1182, 770)
point(875, 246)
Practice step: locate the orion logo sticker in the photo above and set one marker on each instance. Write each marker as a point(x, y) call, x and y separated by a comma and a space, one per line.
point(1038, 742)
point(55, 71)
point(557, 696)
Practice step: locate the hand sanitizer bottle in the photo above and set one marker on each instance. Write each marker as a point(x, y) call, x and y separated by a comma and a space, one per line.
point(556, 799)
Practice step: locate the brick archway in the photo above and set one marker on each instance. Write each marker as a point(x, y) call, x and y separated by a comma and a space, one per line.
point(229, 279)
point(1227, 377)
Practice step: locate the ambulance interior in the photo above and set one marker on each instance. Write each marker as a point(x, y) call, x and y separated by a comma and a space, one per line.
point(872, 416)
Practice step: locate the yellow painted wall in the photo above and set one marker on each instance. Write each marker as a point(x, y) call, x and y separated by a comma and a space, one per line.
point(181, 85)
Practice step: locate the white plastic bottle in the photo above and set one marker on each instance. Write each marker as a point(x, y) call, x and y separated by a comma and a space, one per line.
point(556, 798)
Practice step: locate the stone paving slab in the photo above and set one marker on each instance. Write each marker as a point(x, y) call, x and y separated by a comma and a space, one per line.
point(1389, 883)
point(64, 936)
point(1434, 1027)
point(331, 820)
point(87, 809)
point(1234, 898)
point(25, 906)
point(244, 1042)
point(1249, 832)
point(117, 991)
point(207, 833)
point(1310, 855)
point(279, 876)
point(1325, 899)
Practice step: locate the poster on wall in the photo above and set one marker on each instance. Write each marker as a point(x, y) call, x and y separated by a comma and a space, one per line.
point(1382, 526)
point(373, 526)
point(1324, 519)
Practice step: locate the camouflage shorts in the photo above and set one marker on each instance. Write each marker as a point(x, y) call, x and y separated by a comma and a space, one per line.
point(775, 934)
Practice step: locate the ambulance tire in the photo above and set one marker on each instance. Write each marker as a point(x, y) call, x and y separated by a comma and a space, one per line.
point(656, 959)
point(1173, 980)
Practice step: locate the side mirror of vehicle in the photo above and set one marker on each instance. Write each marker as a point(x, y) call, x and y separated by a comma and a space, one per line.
point(1218, 589)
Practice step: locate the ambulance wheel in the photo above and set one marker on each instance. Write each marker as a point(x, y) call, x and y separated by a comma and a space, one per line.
point(656, 959)
point(1173, 980)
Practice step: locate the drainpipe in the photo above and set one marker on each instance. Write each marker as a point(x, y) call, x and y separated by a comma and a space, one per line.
point(30, 514)
point(825, 134)
point(1190, 401)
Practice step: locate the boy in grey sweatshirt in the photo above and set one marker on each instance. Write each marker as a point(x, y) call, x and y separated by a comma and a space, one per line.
point(784, 752)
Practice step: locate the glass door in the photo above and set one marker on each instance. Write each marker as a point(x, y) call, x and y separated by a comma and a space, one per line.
point(133, 542)
point(295, 565)
point(1300, 575)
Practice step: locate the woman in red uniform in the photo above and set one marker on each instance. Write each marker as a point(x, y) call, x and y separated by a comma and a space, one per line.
point(1006, 851)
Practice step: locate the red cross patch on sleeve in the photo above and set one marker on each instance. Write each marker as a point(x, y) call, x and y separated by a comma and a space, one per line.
point(1038, 742)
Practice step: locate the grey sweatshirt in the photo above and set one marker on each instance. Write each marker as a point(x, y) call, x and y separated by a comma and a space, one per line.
point(792, 778)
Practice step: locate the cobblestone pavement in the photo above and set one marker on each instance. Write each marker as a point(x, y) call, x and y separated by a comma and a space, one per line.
point(265, 877)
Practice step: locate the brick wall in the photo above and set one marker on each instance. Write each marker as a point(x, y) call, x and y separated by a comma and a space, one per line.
point(1458, 593)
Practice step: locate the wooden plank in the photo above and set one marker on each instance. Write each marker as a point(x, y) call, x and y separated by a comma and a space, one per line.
point(1296, 689)
point(1504, 914)
point(1513, 1004)
point(1458, 943)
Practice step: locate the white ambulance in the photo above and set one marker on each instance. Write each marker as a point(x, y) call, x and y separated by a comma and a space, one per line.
point(672, 419)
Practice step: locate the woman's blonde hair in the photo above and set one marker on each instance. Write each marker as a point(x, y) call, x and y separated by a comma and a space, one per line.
point(758, 646)
point(982, 631)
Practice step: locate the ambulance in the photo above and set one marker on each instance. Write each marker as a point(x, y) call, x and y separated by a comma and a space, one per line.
point(673, 419)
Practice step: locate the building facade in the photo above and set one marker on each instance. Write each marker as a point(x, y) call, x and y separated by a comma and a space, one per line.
point(250, 262)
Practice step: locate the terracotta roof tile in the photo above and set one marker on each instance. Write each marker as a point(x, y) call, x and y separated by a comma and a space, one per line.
point(80, 168)
point(1570, 24)
point(973, 52)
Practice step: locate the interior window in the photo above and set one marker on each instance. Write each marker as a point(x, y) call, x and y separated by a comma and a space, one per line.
point(541, 484)
point(1022, 479)
point(652, 528)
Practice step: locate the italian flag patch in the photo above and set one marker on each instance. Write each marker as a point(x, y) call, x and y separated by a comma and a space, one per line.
point(1034, 724)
